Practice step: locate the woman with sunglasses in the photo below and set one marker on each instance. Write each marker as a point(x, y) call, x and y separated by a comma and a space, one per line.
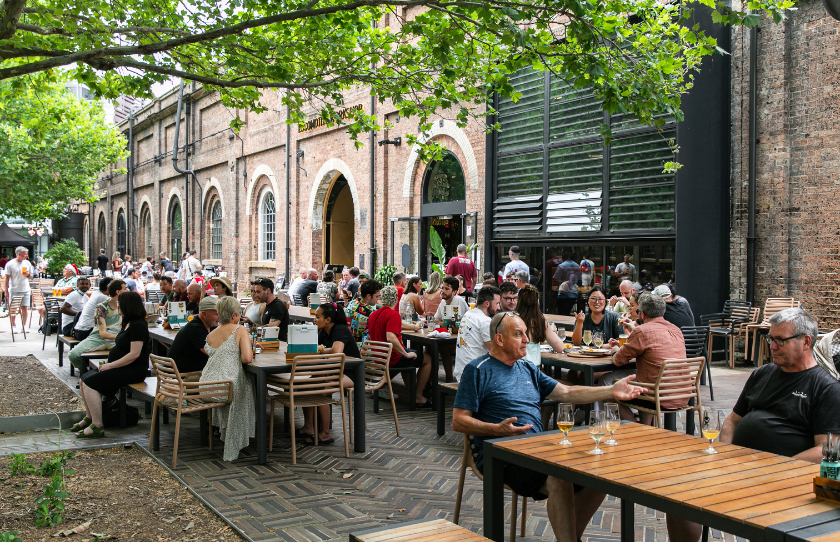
point(539, 331)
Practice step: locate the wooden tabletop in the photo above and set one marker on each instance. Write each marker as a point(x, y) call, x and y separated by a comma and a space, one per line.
point(560, 319)
point(759, 489)
point(424, 334)
point(582, 359)
point(300, 313)
point(166, 336)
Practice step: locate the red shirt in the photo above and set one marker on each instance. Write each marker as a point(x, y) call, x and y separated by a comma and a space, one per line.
point(400, 291)
point(462, 266)
point(380, 323)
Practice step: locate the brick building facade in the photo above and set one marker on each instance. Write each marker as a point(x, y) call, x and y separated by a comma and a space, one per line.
point(227, 217)
point(797, 164)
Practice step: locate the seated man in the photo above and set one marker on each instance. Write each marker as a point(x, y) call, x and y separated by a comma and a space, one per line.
point(359, 310)
point(73, 305)
point(195, 291)
point(627, 290)
point(474, 333)
point(167, 290)
point(275, 314)
point(84, 325)
point(786, 407)
point(509, 296)
point(309, 286)
point(650, 344)
point(188, 347)
point(499, 396)
point(677, 309)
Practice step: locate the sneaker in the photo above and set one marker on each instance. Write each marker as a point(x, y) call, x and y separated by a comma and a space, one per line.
point(383, 394)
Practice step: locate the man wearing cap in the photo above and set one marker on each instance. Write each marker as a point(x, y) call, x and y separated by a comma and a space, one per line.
point(68, 282)
point(221, 286)
point(677, 309)
point(275, 313)
point(188, 347)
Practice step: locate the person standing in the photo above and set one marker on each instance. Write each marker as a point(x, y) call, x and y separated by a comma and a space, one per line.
point(567, 272)
point(116, 263)
point(474, 333)
point(148, 268)
point(461, 265)
point(165, 264)
point(515, 264)
point(587, 268)
point(102, 262)
point(18, 272)
point(626, 270)
point(193, 263)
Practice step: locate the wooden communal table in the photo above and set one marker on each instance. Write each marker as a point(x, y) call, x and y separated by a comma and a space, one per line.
point(274, 363)
point(300, 315)
point(587, 365)
point(432, 345)
point(755, 495)
point(560, 320)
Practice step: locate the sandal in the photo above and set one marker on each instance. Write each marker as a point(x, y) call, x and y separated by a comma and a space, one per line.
point(326, 442)
point(98, 432)
point(78, 427)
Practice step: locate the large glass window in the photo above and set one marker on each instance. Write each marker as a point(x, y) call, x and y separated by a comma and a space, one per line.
point(267, 224)
point(101, 232)
point(216, 231)
point(175, 228)
point(121, 233)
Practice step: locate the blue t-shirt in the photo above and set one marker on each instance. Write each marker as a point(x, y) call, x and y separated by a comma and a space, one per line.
point(493, 392)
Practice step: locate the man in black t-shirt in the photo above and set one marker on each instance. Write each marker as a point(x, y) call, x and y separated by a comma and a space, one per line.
point(188, 347)
point(102, 261)
point(786, 408)
point(308, 286)
point(677, 309)
point(275, 313)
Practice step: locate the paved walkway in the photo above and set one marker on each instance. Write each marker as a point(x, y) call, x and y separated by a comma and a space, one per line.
point(326, 496)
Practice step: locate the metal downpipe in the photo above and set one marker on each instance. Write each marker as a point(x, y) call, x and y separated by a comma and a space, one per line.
point(751, 238)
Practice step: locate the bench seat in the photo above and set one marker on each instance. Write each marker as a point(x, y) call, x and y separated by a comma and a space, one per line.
point(69, 341)
point(435, 529)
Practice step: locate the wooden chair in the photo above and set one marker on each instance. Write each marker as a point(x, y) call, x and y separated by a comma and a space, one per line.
point(185, 397)
point(297, 300)
point(696, 343)
point(468, 461)
point(53, 318)
point(37, 302)
point(771, 306)
point(377, 355)
point(727, 324)
point(324, 299)
point(311, 383)
point(14, 310)
point(154, 296)
point(677, 379)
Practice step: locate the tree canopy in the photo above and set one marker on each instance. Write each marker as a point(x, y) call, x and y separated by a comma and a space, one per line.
point(52, 147)
point(638, 55)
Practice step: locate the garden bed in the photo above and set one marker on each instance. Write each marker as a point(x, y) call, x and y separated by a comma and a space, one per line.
point(123, 493)
point(27, 387)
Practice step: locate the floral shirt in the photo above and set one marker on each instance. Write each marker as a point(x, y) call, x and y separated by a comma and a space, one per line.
point(328, 290)
point(111, 317)
point(66, 282)
point(358, 313)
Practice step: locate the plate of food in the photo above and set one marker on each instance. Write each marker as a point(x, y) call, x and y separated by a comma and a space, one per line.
point(595, 351)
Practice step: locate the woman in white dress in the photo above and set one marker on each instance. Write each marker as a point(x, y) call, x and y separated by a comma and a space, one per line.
point(229, 347)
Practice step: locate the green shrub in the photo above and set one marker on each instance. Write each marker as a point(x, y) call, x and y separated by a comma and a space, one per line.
point(64, 252)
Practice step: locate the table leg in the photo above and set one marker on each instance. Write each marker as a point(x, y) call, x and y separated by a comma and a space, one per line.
point(435, 354)
point(262, 437)
point(589, 380)
point(359, 408)
point(202, 424)
point(689, 418)
point(60, 354)
point(628, 527)
point(494, 498)
point(156, 436)
point(441, 415)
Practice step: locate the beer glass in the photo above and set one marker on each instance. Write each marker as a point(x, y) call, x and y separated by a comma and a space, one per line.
point(613, 420)
point(565, 422)
point(711, 427)
point(597, 430)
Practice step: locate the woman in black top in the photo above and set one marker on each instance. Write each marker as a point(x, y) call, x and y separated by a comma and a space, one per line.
point(128, 363)
point(334, 337)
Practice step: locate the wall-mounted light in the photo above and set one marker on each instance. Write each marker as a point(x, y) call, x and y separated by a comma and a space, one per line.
point(397, 141)
point(397, 118)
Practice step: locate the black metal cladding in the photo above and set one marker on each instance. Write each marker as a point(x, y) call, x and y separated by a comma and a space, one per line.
point(557, 177)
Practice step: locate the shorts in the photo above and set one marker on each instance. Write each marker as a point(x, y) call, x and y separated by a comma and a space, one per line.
point(27, 297)
point(406, 363)
point(527, 483)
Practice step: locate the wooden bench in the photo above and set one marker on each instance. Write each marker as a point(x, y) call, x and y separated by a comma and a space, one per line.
point(69, 341)
point(435, 529)
point(445, 389)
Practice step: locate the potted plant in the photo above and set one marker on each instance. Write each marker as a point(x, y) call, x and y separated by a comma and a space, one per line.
point(64, 252)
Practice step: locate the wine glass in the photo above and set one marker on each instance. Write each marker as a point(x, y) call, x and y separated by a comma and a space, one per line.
point(711, 427)
point(587, 337)
point(565, 422)
point(613, 420)
point(598, 338)
point(597, 430)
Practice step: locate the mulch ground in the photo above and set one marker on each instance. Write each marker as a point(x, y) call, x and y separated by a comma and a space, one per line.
point(27, 387)
point(124, 495)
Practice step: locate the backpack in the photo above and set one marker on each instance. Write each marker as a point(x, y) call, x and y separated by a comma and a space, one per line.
point(111, 413)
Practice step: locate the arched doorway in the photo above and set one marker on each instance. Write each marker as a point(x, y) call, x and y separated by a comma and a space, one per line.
point(339, 224)
point(443, 207)
point(121, 233)
point(101, 238)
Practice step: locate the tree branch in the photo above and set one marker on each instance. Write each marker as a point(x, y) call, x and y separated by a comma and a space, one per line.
point(127, 30)
point(11, 13)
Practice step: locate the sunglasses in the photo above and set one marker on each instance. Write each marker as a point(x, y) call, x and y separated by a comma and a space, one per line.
point(499, 323)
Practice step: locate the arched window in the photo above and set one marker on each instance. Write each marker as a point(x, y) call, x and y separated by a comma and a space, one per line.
point(85, 237)
point(444, 181)
point(175, 229)
point(101, 232)
point(146, 229)
point(121, 233)
point(267, 225)
point(216, 231)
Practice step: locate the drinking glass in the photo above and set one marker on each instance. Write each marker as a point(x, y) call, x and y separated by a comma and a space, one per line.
point(613, 421)
point(711, 427)
point(587, 337)
point(598, 338)
point(597, 429)
point(565, 422)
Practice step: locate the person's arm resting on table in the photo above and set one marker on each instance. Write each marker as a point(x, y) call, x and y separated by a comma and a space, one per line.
point(395, 341)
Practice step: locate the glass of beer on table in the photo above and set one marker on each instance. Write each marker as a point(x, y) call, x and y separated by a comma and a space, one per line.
point(622, 339)
point(565, 422)
point(711, 427)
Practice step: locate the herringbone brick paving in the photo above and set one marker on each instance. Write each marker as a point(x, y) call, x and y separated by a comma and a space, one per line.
point(397, 479)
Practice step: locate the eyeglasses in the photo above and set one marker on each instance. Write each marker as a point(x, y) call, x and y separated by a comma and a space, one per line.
point(781, 342)
point(499, 323)
point(597, 300)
